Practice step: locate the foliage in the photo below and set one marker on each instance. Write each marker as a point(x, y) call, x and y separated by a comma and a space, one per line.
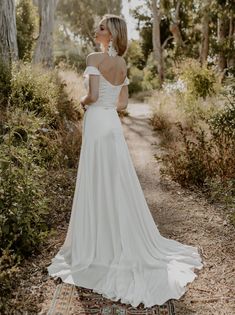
point(150, 80)
point(223, 122)
point(136, 77)
point(80, 17)
point(199, 79)
point(34, 89)
point(70, 60)
point(135, 55)
point(22, 203)
point(5, 83)
point(201, 153)
point(9, 269)
point(38, 133)
point(26, 24)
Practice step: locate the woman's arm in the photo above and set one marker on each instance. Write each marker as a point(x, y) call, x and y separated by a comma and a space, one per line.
point(123, 98)
point(93, 91)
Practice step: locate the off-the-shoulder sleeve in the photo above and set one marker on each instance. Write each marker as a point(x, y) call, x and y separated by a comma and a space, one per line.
point(126, 81)
point(91, 70)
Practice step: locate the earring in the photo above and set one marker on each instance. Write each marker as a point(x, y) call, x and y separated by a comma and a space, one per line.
point(111, 50)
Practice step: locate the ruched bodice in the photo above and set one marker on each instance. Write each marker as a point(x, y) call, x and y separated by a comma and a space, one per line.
point(108, 93)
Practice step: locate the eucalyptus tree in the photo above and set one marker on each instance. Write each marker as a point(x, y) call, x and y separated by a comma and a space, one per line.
point(44, 46)
point(8, 33)
point(157, 11)
point(81, 17)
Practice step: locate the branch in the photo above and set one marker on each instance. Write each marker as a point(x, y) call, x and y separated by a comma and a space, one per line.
point(165, 42)
point(177, 9)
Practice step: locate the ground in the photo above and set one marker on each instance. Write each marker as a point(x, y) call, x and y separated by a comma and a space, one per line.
point(180, 214)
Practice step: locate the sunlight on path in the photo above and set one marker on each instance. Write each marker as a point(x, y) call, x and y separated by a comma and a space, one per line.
point(138, 109)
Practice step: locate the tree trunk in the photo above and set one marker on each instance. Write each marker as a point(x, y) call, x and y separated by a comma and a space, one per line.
point(205, 32)
point(44, 46)
point(221, 38)
point(8, 41)
point(231, 59)
point(156, 38)
point(174, 27)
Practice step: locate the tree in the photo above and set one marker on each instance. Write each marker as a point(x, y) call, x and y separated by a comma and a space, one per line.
point(156, 38)
point(205, 31)
point(231, 37)
point(44, 46)
point(81, 16)
point(174, 26)
point(8, 42)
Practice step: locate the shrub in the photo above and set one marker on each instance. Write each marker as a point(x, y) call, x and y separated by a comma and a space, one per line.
point(9, 270)
point(70, 60)
point(5, 84)
point(38, 131)
point(43, 93)
point(150, 77)
point(199, 79)
point(35, 89)
point(136, 77)
point(23, 205)
point(223, 122)
point(205, 156)
point(23, 202)
point(26, 24)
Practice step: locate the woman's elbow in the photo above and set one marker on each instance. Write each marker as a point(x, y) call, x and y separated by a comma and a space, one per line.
point(94, 97)
point(122, 106)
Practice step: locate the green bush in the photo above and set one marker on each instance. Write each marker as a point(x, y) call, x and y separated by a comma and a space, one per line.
point(70, 60)
point(223, 122)
point(206, 156)
point(35, 138)
point(42, 93)
point(23, 204)
point(150, 77)
point(26, 24)
point(189, 162)
point(5, 83)
point(23, 198)
point(199, 79)
point(136, 77)
point(35, 89)
point(9, 270)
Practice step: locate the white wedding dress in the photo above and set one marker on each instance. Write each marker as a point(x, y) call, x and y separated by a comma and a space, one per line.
point(113, 245)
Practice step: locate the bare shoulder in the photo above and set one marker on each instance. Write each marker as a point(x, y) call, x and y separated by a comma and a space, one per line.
point(96, 58)
point(93, 59)
point(122, 60)
point(123, 63)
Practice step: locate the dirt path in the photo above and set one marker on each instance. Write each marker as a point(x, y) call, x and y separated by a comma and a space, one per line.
point(188, 218)
point(179, 214)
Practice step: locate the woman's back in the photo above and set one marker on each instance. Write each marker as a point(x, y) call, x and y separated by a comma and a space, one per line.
point(113, 69)
point(112, 77)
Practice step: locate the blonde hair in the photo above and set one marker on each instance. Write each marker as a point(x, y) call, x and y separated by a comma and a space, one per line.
point(117, 27)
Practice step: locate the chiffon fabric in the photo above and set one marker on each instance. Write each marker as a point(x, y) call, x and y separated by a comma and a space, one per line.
point(113, 245)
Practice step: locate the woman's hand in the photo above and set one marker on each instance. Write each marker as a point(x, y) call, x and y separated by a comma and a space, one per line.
point(83, 105)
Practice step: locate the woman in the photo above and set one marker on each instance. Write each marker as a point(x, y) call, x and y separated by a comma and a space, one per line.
point(113, 245)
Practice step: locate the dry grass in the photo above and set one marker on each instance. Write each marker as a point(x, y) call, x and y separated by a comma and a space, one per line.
point(169, 110)
point(74, 86)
